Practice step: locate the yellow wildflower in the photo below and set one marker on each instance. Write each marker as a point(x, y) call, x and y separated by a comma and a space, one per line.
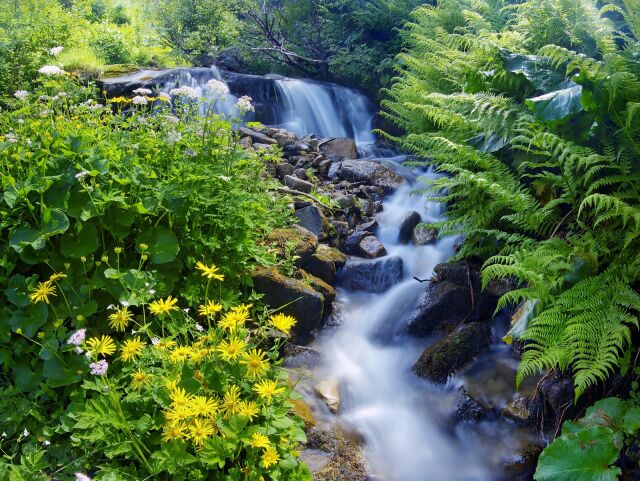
point(267, 389)
point(200, 430)
point(178, 413)
point(42, 292)
point(231, 402)
point(259, 440)
point(163, 306)
point(140, 378)
point(203, 406)
point(269, 457)
point(171, 384)
point(180, 354)
point(56, 276)
point(248, 409)
point(132, 349)
point(255, 363)
point(120, 319)
point(174, 431)
point(282, 322)
point(165, 344)
point(232, 349)
point(179, 398)
point(210, 272)
point(233, 320)
point(209, 309)
point(103, 345)
point(197, 355)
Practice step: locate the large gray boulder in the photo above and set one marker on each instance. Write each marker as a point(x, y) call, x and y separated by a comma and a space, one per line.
point(311, 218)
point(325, 262)
point(298, 184)
point(407, 225)
point(442, 307)
point(339, 148)
point(371, 172)
point(371, 247)
point(371, 276)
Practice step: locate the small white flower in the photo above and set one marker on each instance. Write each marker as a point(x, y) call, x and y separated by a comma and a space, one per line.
point(43, 98)
point(4, 435)
point(77, 350)
point(125, 303)
point(21, 121)
point(217, 87)
point(29, 142)
point(224, 177)
point(186, 310)
point(111, 307)
point(11, 137)
point(190, 152)
point(21, 94)
point(46, 443)
point(155, 340)
point(244, 105)
point(51, 70)
point(82, 477)
point(82, 174)
point(143, 91)
point(171, 119)
point(152, 291)
point(199, 328)
point(87, 354)
point(25, 433)
point(174, 137)
point(139, 100)
point(133, 331)
point(55, 51)
point(164, 96)
point(185, 92)
point(146, 284)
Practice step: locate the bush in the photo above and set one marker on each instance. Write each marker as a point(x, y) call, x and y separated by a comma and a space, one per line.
point(110, 45)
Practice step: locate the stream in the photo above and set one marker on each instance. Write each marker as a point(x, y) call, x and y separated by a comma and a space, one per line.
point(406, 423)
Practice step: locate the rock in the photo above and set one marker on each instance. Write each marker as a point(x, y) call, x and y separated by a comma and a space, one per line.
point(371, 247)
point(371, 172)
point(296, 147)
point(259, 146)
point(299, 240)
point(351, 244)
point(407, 225)
point(312, 219)
point(423, 235)
point(245, 142)
point(257, 137)
point(523, 466)
point(341, 227)
point(371, 276)
point(284, 139)
point(323, 167)
point(328, 292)
point(444, 358)
point(325, 262)
point(300, 174)
point(468, 409)
point(300, 300)
point(343, 201)
point(346, 458)
point(442, 307)
point(340, 148)
point(370, 226)
point(285, 169)
point(328, 391)
point(334, 170)
point(457, 273)
point(303, 411)
point(519, 410)
point(298, 184)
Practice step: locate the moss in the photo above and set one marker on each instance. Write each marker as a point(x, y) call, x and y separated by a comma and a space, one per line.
point(347, 461)
point(295, 240)
point(303, 411)
point(117, 70)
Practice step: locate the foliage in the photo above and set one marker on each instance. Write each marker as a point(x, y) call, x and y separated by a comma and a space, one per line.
point(109, 44)
point(114, 205)
point(539, 142)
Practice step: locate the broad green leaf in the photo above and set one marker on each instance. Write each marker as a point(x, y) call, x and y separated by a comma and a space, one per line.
point(29, 319)
point(556, 105)
point(80, 243)
point(537, 70)
point(631, 421)
point(54, 222)
point(163, 244)
point(25, 236)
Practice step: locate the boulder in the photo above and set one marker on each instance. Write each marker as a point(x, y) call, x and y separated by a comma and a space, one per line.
point(371, 172)
point(246, 142)
point(317, 284)
point(341, 227)
point(442, 307)
point(285, 169)
point(295, 147)
point(330, 394)
point(312, 219)
point(300, 174)
point(334, 170)
point(523, 466)
point(441, 360)
point(257, 137)
point(468, 409)
point(371, 247)
point(407, 226)
point(340, 148)
point(325, 262)
point(323, 167)
point(351, 244)
point(424, 235)
point(371, 276)
point(260, 146)
point(301, 409)
point(300, 300)
point(302, 242)
point(298, 184)
point(370, 226)
point(520, 410)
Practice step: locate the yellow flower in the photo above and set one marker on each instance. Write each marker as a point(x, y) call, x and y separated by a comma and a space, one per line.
point(42, 292)
point(140, 379)
point(259, 440)
point(163, 306)
point(267, 389)
point(248, 409)
point(178, 413)
point(269, 457)
point(180, 354)
point(231, 402)
point(56, 276)
point(171, 384)
point(197, 355)
point(200, 430)
point(179, 398)
point(282, 322)
point(210, 272)
point(210, 309)
point(232, 320)
point(231, 350)
point(132, 349)
point(203, 406)
point(174, 431)
point(242, 308)
point(103, 345)
point(255, 363)
point(120, 319)
point(165, 344)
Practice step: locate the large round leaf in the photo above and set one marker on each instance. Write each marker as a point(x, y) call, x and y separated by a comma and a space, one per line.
point(162, 244)
point(80, 243)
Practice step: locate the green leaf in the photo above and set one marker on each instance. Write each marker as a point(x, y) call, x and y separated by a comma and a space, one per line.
point(29, 319)
point(80, 243)
point(584, 456)
point(25, 236)
point(163, 244)
point(631, 421)
point(54, 222)
point(556, 105)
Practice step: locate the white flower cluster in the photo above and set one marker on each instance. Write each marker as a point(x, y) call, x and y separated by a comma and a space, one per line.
point(184, 92)
point(139, 100)
point(164, 96)
point(142, 91)
point(51, 70)
point(217, 87)
point(81, 175)
point(55, 51)
point(21, 94)
point(244, 104)
point(77, 338)
point(11, 137)
point(174, 137)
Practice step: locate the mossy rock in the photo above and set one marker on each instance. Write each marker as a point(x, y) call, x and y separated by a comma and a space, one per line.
point(325, 262)
point(118, 70)
point(328, 292)
point(303, 411)
point(298, 240)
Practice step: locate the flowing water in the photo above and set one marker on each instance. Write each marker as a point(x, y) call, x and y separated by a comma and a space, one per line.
point(405, 422)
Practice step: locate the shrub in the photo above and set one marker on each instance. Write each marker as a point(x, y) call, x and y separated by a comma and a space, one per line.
point(110, 45)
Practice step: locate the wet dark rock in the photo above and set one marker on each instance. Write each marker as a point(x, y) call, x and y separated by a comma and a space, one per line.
point(442, 307)
point(371, 172)
point(351, 244)
point(370, 226)
point(301, 300)
point(520, 411)
point(298, 184)
point(257, 137)
point(523, 466)
point(284, 139)
point(301, 174)
point(424, 235)
point(343, 201)
point(371, 247)
point(407, 225)
point(334, 170)
point(285, 169)
point(312, 219)
point(323, 167)
point(346, 460)
point(261, 146)
point(301, 241)
point(339, 148)
point(371, 276)
point(341, 227)
point(441, 360)
point(327, 291)
point(325, 262)
point(246, 142)
point(468, 409)
point(295, 147)
point(457, 273)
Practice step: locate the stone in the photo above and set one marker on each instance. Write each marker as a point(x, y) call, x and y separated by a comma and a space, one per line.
point(325, 262)
point(323, 167)
point(312, 219)
point(334, 170)
point(424, 235)
point(442, 307)
point(444, 358)
point(522, 467)
point(284, 139)
point(350, 245)
point(371, 276)
point(330, 394)
point(246, 142)
point(341, 227)
point(339, 148)
point(328, 292)
point(520, 411)
point(301, 242)
point(303, 411)
point(346, 459)
point(259, 146)
point(301, 174)
point(285, 169)
point(298, 184)
point(370, 226)
point(343, 201)
point(468, 409)
point(407, 225)
point(371, 247)
point(257, 137)
point(293, 297)
point(371, 172)
point(296, 147)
